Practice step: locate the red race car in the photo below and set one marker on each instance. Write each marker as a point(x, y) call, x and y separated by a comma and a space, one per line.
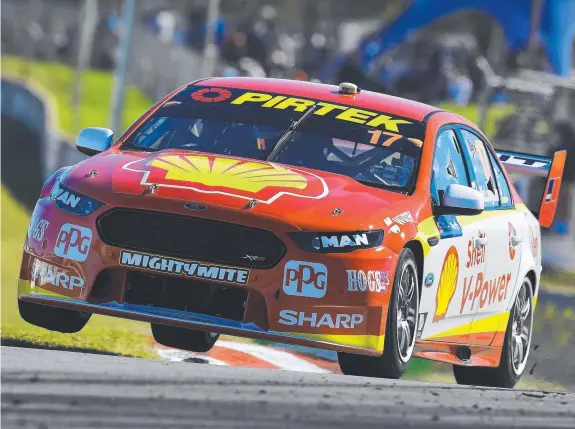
point(303, 213)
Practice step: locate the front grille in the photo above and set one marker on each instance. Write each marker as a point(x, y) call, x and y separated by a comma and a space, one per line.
point(190, 238)
point(193, 296)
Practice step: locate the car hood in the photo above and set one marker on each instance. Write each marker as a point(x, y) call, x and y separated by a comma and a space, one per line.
point(305, 198)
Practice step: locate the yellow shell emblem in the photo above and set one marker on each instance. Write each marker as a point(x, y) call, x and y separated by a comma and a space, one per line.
point(248, 176)
point(447, 283)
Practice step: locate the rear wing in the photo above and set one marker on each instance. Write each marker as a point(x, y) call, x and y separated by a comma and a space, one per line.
point(542, 166)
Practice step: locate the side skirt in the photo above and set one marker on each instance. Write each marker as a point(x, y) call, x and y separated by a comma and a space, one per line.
point(479, 355)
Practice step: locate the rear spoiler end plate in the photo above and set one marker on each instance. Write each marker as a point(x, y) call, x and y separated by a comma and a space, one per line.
point(541, 166)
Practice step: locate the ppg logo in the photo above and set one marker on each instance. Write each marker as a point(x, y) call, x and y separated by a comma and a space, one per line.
point(305, 279)
point(73, 242)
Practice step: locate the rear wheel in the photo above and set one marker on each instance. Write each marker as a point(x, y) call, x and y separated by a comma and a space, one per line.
point(400, 331)
point(515, 348)
point(184, 339)
point(52, 318)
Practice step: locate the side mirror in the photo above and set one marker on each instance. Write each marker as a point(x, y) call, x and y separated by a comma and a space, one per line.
point(92, 141)
point(461, 200)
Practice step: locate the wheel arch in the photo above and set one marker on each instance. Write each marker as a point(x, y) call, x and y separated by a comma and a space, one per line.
point(417, 249)
point(533, 278)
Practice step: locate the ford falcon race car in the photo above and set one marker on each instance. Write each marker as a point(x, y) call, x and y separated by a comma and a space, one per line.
point(302, 213)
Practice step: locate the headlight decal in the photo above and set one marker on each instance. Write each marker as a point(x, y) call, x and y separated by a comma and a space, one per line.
point(73, 202)
point(337, 242)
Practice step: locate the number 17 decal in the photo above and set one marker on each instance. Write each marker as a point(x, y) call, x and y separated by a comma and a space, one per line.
point(376, 134)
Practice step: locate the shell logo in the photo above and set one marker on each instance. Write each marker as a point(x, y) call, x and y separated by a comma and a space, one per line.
point(240, 178)
point(247, 176)
point(447, 284)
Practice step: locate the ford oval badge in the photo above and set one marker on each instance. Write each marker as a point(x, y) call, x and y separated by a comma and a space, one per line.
point(195, 206)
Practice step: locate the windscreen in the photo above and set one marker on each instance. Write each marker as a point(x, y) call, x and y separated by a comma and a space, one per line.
point(372, 147)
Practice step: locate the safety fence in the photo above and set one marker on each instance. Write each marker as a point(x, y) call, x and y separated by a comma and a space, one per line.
point(51, 31)
point(31, 106)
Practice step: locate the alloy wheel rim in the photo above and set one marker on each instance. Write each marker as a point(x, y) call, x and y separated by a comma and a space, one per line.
point(521, 328)
point(407, 311)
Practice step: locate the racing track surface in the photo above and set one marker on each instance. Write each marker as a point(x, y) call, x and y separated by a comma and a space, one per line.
point(53, 389)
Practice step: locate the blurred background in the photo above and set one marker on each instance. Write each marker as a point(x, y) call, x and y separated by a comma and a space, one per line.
point(507, 65)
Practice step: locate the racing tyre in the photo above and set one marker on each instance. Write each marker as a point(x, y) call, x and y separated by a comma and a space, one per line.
point(52, 318)
point(184, 339)
point(515, 347)
point(400, 331)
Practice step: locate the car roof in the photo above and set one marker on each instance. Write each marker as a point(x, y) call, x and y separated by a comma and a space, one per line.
point(330, 93)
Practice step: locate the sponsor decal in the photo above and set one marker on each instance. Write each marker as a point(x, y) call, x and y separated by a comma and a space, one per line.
point(549, 197)
point(66, 197)
point(73, 242)
point(354, 240)
point(429, 280)
point(421, 319)
point(525, 160)
point(246, 179)
point(184, 268)
point(372, 280)
point(320, 320)
point(535, 246)
point(389, 139)
point(511, 247)
point(195, 206)
point(249, 176)
point(392, 227)
point(401, 219)
point(254, 258)
point(534, 241)
point(44, 273)
point(336, 111)
point(475, 256)
point(448, 226)
point(485, 293)
point(447, 284)
point(211, 95)
point(305, 279)
point(37, 228)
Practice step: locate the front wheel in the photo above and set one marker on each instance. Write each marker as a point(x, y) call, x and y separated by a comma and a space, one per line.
point(515, 347)
point(184, 339)
point(400, 331)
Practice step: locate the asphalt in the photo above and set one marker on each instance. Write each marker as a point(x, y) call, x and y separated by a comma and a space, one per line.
point(56, 389)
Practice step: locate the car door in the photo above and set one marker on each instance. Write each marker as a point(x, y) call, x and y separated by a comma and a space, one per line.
point(455, 257)
point(504, 233)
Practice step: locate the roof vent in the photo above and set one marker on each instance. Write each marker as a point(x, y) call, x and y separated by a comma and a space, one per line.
point(348, 88)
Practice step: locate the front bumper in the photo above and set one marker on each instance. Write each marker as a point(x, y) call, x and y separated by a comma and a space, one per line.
point(342, 316)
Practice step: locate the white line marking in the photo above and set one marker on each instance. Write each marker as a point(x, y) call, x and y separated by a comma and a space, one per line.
point(283, 360)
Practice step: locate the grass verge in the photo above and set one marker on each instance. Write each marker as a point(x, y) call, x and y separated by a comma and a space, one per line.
point(92, 339)
point(471, 112)
point(559, 282)
point(105, 334)
point(94, 107)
